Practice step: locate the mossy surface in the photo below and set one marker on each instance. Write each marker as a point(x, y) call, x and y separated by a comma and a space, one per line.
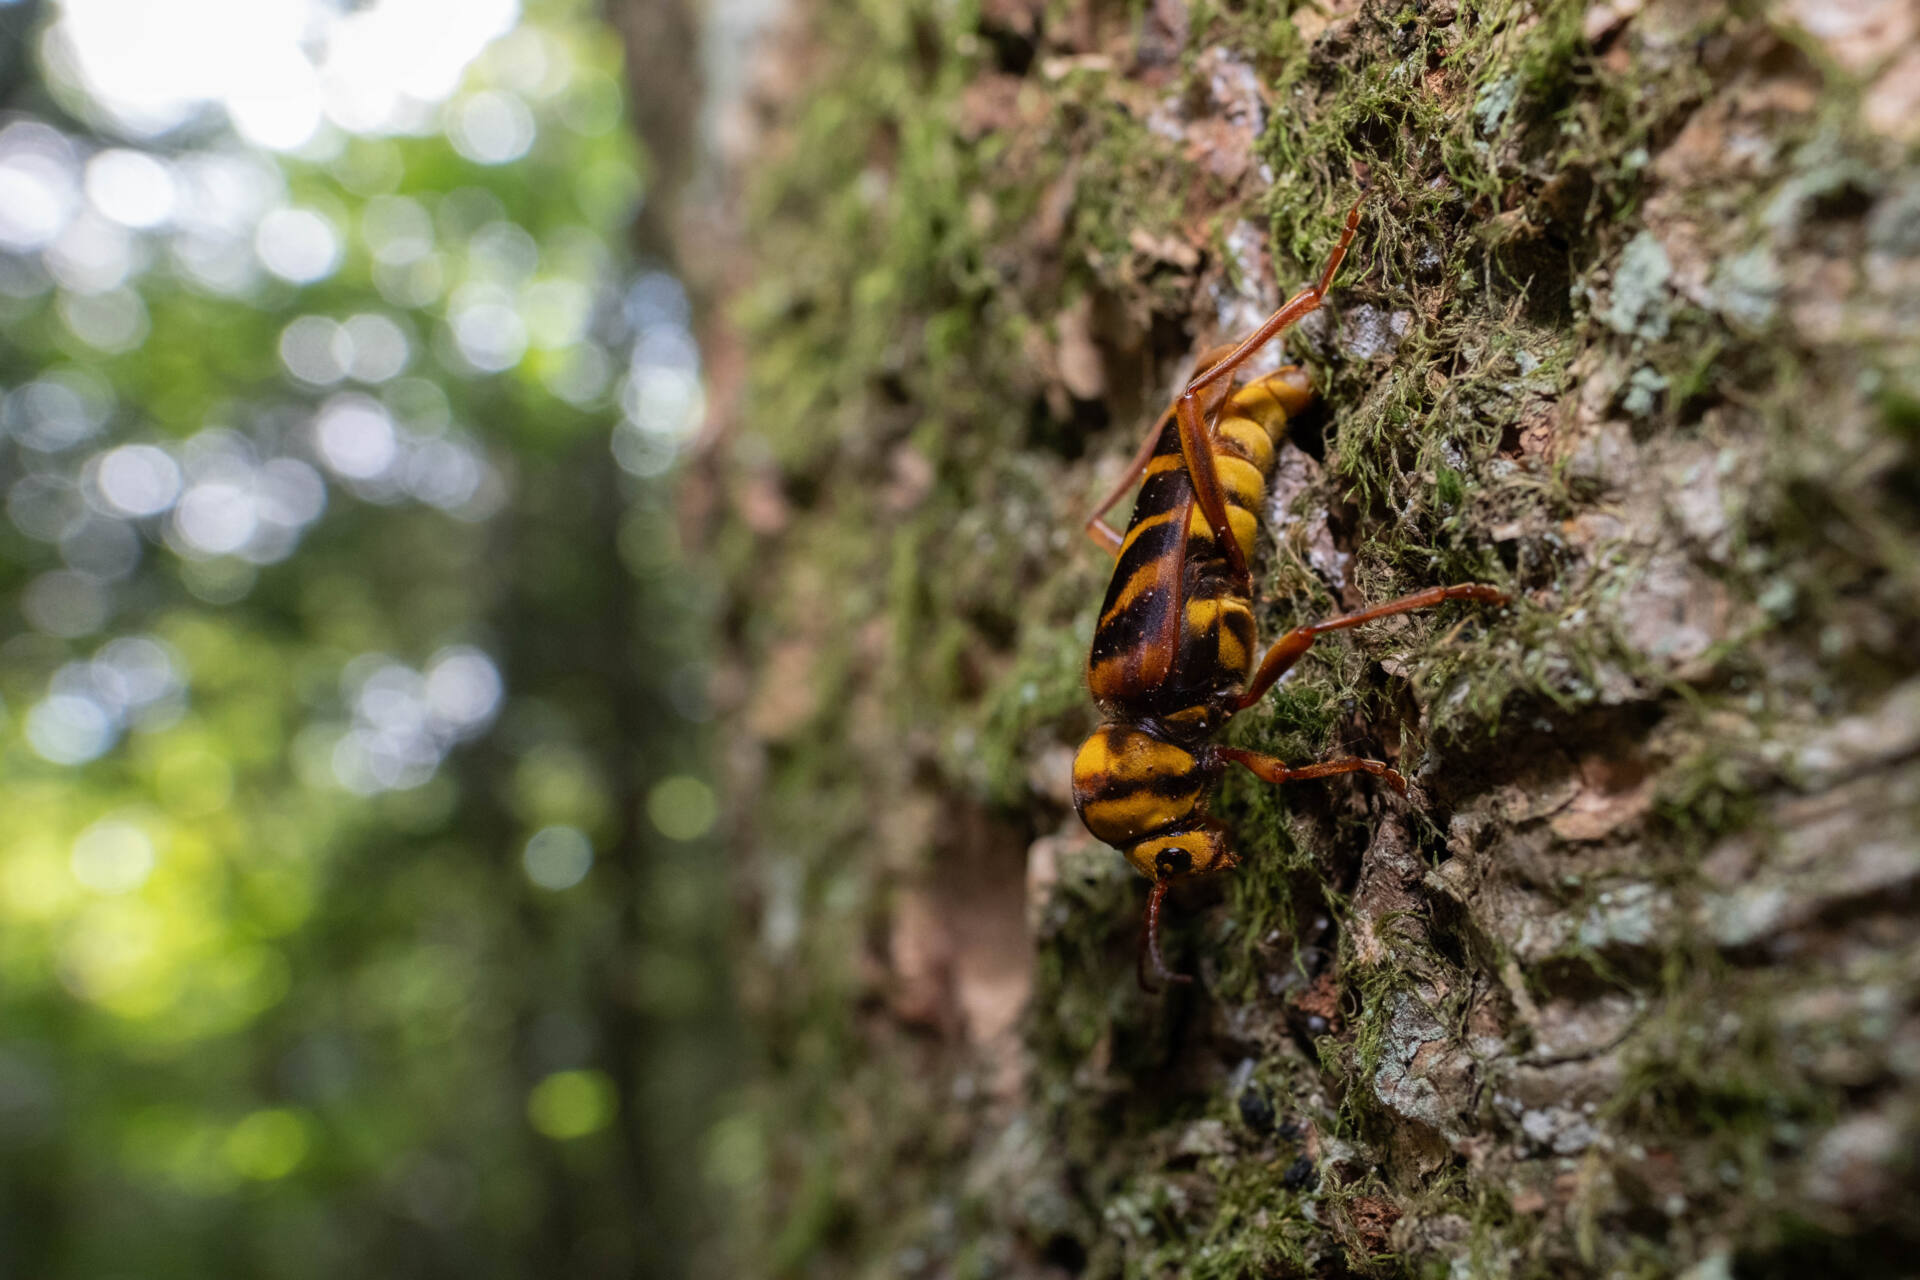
point(1631, 983)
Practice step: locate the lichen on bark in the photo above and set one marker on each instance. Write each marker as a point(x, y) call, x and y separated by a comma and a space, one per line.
point(1631, 984)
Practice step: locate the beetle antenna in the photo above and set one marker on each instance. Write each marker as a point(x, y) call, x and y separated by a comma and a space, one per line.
point(1150, 957)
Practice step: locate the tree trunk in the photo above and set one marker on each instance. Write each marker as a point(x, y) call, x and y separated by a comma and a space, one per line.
point(1630, 983)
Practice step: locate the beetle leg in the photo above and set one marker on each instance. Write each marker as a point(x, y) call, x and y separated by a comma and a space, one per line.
point(1196, 435)
point(1269, 769)
point(1097, 527)
point(1288, 648)
point(1300, 304)
point(1150, 957)
point(1196, 446)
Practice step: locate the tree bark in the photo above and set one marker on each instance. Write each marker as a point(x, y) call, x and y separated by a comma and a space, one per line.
point(1630, 984)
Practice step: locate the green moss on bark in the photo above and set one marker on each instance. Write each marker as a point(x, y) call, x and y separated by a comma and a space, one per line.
point(1616, 336)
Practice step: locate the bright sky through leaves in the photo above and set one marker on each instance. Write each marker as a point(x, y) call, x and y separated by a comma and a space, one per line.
point(279, 68)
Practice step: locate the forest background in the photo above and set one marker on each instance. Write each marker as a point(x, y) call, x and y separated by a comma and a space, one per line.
point(353, 865)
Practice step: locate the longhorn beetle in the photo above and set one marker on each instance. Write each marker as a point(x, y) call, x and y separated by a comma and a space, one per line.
point(1173, 652)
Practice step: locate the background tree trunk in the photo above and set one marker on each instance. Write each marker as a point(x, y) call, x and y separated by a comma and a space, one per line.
point(1631, 983)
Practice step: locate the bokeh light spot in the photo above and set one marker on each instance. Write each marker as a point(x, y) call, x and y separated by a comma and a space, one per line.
point(134, 672)
point(44, 507)
point(444, 474)
point(112, 856)
point(557, 857)
point(682, 807)
point(310, 348)
point(356, 438)
point(268, 1144)
point(58, 410)
point(70, 728)
point(665, 401)
point(66, 604)
point(138, 479)
point(490, 334)
point(38, 187)
point(377, 348)
point(216, 518)
point(133, 188)
point(463, 687)
point(289, 493)
point(491, 128)
point(113, 321)
point(298, 245)
point(93, 255)
point(572, 1104)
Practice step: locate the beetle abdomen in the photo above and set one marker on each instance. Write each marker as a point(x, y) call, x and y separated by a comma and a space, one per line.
point(1127, 783)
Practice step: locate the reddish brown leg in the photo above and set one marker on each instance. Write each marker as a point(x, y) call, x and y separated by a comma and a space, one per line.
point(1196, 447)
point(1288, 648)
point(1196, 433)
point(1097, 527)
point(1268, 769)
point(1150, 958)
point(1300, 304)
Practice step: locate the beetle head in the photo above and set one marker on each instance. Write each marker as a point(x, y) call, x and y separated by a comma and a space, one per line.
point(1171, 854)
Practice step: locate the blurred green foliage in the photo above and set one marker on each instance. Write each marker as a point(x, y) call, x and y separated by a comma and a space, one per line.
point(355, 906)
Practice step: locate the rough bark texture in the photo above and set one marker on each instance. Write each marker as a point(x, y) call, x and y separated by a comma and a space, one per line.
point(1631, 983)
